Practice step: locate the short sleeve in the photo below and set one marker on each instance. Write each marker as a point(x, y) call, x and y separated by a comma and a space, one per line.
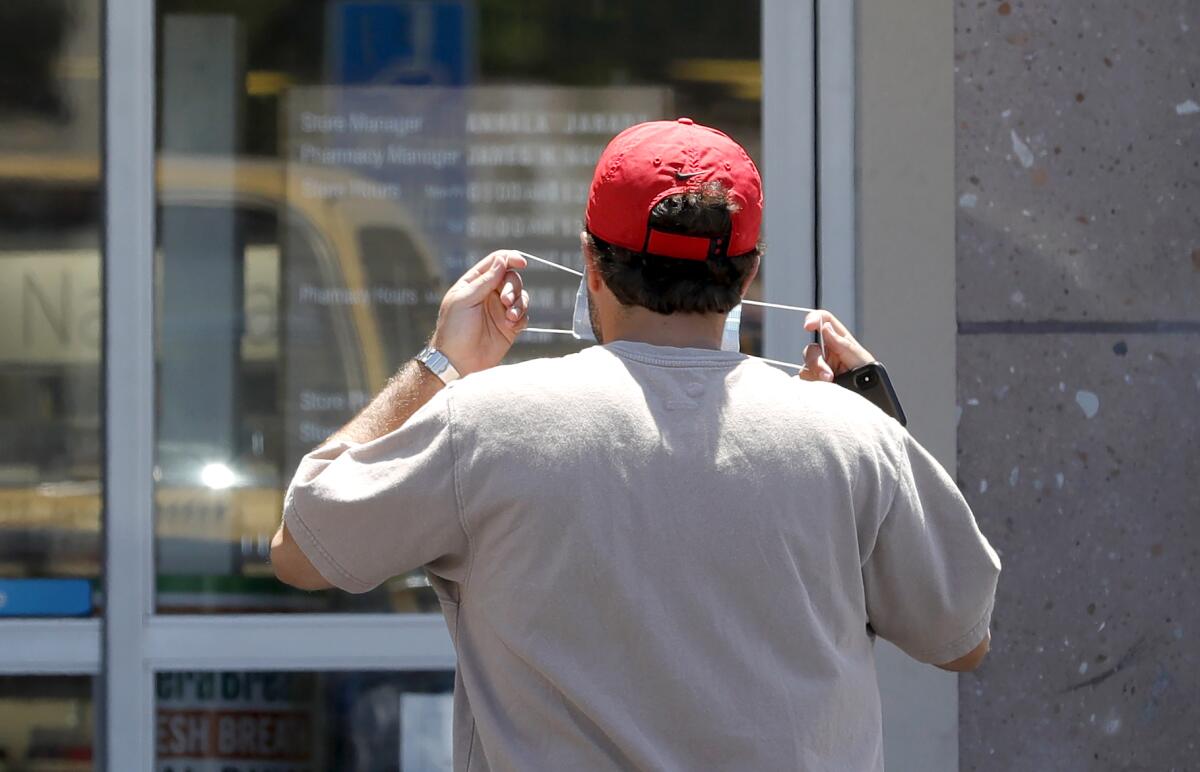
point(930, 577)
point(365, 513)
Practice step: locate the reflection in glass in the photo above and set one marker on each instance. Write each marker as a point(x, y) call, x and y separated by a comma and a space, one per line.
point(46, 723)
point(303, 722)
point(50, 312)
point(325, 170)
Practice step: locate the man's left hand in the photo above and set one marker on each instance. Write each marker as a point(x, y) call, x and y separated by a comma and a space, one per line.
point(482, 313)
point(842, 352)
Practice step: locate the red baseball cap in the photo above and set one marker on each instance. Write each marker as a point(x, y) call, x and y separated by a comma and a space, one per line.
point(650, 161)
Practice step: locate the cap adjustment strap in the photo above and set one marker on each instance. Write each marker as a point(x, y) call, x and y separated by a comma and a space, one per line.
point(665, 244)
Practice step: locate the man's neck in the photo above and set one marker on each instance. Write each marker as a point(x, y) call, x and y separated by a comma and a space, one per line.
point(677, 330)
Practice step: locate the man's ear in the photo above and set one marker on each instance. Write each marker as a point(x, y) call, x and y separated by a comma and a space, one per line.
point(750, 276)
point(594, 282)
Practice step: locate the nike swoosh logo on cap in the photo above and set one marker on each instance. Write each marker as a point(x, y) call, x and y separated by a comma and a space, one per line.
point(682, 177)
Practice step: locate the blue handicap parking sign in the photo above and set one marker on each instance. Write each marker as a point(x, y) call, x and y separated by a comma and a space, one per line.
point(400, 42)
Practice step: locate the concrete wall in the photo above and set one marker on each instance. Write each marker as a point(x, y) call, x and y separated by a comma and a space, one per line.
point(905, 121)
point(1078, 288)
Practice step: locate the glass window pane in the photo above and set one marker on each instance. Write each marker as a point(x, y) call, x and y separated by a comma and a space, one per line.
point(326, 169)
point(303, 722)
point(50, 307)
point(46, 723)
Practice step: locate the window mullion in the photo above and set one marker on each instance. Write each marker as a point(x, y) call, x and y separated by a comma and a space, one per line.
point(789, 169)
point(126, 739)
point(59, 646)
point(300, 642)
point(835, 84)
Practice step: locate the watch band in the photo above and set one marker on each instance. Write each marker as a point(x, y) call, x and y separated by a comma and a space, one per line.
point(438, 364)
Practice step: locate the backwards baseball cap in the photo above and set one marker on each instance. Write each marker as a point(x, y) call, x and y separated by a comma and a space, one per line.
point(649, 162)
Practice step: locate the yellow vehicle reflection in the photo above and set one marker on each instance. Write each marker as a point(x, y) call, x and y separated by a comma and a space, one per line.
point(49, 317)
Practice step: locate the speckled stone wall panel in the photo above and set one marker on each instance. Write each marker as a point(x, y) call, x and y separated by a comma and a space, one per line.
point(1078, 454)
point(1078, 160)
point(1078, 293)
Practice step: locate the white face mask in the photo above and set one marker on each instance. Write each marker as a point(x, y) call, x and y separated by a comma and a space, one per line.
point(581, 320)
point(731, 340)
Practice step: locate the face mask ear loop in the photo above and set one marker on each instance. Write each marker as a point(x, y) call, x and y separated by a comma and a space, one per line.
point(580, 332)
point(820, 330)
point(544, 261)
point(581, 320)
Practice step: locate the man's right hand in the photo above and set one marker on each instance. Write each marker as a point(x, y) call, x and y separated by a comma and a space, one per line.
point(842, 351)
point(482, 313)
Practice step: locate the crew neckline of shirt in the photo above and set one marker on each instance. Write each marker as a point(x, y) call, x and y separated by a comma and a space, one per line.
point(673, 356)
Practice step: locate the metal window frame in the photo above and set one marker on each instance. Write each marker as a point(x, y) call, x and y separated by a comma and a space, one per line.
point(125, 722)
point(58, 646)
point(128, 643)
point(299, 642)
point(836, 153)
point(809, 139)
point(131, 642)
point(789, 170)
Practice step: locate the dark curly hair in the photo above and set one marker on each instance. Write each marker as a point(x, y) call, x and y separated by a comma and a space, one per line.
point(668, 285)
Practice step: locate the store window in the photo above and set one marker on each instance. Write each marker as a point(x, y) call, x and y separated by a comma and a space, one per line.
point(303, 722)
point(50, 308)
point(325, 170)
point(46, 723)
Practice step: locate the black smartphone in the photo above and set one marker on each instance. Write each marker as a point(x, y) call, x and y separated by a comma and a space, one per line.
point(872, 382)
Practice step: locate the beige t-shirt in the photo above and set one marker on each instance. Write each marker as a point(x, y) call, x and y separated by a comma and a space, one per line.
point(658, 558)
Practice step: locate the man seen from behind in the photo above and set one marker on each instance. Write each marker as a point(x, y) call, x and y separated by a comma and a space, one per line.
point(654, 554)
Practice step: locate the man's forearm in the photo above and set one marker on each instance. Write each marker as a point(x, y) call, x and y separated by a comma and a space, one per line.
point(410, 388)
point(403, 395)
point(480, 317)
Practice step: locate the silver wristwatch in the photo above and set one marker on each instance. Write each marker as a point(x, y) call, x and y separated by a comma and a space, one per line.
point(438, 364)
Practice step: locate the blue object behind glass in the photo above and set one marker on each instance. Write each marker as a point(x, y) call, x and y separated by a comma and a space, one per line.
point(45, 597)
point(397, 42)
